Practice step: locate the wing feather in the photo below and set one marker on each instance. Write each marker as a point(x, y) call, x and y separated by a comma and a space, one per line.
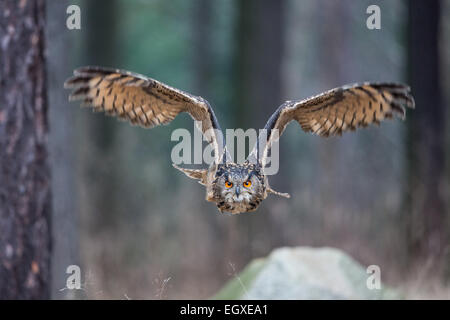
point(141, 100)
point(338, 110)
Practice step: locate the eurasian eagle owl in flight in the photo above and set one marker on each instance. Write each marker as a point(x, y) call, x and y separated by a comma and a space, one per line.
point(233, 187)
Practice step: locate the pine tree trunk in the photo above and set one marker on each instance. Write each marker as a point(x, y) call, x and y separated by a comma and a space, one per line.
point(99, 133)
point(426, 199)
point(24, 173)
point(257, 93)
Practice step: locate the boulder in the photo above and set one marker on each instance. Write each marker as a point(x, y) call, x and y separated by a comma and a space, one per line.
point(304, 273)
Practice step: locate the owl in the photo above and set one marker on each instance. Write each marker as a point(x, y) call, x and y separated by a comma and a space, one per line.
point(232, 187)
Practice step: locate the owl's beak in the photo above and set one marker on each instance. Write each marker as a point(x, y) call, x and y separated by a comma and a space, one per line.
point(238, 191)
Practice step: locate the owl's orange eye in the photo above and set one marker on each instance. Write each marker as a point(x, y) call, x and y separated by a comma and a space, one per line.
point(228, 184)
point(247, 184)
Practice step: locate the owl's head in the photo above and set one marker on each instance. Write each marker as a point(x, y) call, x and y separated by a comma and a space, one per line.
point(238, 187)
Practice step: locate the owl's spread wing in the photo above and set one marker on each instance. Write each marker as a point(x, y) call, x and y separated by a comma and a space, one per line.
point(337, 110)
point(142, 101)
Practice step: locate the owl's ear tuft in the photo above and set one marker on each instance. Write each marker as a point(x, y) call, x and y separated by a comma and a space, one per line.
point(198, 174)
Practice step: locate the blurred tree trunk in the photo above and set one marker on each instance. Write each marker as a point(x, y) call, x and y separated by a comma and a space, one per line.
point(25, 207)
point(335, 67)
point(202, 42)
point(258, 84)
point(258, 61)
point(99, 135)
point(100, 199)
point(425, 198)
point(203, 59)
point(62, 152)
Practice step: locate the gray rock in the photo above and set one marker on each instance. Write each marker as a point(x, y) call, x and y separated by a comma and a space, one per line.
point(304, 273)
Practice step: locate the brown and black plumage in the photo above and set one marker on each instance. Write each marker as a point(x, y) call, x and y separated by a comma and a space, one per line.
point(233, 187)
point(338, 110)
point(140, 100)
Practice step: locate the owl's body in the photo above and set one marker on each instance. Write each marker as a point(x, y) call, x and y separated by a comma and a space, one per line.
point(236, 188)
point(233, 187)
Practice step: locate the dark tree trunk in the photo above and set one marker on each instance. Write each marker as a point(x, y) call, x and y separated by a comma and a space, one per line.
point(257, 93)
point(426, 199)
point(202, 57)
point(25, 207)
point(203, 64)
point(258, 61)
point(335, 67)
point(100, 203)
point(100, 134)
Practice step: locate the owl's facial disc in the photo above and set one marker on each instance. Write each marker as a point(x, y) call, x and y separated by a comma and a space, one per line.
point(238, 188)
